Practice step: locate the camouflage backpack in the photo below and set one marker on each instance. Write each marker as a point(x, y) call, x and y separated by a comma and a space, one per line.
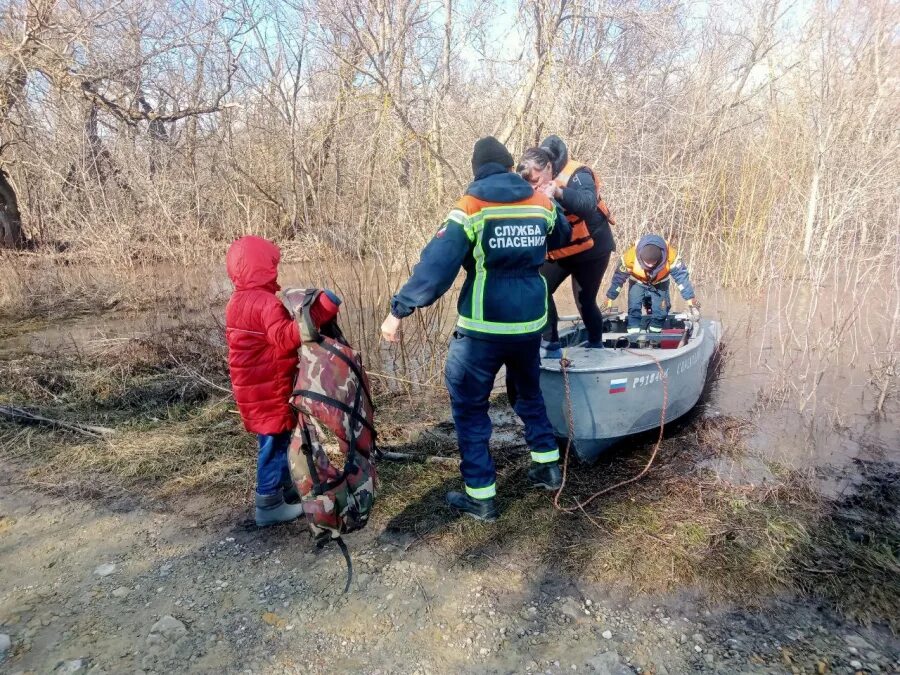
point(331, 391)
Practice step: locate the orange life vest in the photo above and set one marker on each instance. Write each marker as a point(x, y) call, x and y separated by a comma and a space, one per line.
point(581, 236)
point(633, 266)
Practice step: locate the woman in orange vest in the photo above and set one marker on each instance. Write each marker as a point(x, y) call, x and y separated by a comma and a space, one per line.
point(574, 186)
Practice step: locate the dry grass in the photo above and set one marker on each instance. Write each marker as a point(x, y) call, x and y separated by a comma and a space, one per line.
point(176, 429)
point(177, 434)
point(680, 527)
point(167, 398)
point(204, 451)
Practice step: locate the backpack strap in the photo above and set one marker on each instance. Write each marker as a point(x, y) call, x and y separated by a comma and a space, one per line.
point(355, 415)
point(349, 462)
point(335, 403)
point(307, 448)
point(345, 552)
point(354, 366)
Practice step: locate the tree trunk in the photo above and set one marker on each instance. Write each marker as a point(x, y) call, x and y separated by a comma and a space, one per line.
point(11, 235)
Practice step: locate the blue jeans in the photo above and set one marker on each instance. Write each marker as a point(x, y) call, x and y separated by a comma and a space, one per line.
point(658, 298)
point(272, 472)
point(472, 367)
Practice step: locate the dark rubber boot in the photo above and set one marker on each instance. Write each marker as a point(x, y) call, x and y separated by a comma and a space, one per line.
point(547, 476)
point(479, 509)
point(595, 345)
point(272, 509)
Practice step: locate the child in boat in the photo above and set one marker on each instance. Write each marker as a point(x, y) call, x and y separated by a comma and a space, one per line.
point(263, 341)
point(647, 267)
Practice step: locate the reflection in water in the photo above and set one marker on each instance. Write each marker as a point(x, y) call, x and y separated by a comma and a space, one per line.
point(806, 378)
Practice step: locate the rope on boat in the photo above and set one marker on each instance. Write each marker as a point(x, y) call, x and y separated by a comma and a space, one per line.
point(579, 505)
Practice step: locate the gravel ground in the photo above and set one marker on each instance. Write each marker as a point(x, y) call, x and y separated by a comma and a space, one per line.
point(115, 587)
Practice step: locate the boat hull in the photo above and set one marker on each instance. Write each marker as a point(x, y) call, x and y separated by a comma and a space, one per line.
point(616, 393)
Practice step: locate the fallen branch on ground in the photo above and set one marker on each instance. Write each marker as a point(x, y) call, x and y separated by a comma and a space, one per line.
point(25, 416)
point(425, 459)
point(196, 374)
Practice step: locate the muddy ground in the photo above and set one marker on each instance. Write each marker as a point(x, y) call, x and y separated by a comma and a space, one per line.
point(113, 588)
point(134, 553)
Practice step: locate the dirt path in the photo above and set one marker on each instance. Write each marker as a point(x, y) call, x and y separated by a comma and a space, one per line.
point(88, 586)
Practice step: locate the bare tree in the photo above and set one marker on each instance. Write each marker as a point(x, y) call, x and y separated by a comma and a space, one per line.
point(347, 125)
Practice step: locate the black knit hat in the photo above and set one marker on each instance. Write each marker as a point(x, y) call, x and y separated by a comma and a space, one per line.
point(489, 149)
point(650, 255)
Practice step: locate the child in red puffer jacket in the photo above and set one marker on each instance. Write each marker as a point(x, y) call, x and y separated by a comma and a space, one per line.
point(263, 341)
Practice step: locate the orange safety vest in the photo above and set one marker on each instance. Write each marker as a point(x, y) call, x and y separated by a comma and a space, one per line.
point(581, 236)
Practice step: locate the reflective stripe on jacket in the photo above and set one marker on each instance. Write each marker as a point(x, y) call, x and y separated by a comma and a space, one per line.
point(508, 240)
point(499, 233)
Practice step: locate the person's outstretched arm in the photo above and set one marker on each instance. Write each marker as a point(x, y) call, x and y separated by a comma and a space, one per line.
point(679, 272)
point(434, 273)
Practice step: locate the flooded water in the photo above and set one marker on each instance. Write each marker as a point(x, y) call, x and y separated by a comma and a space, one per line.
point(813, 401)
point(807, 376)
point(806, 380)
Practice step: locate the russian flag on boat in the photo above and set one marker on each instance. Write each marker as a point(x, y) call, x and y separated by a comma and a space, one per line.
point(618, 386)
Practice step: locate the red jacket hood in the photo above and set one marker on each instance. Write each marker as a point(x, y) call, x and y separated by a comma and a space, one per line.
point(252, 262)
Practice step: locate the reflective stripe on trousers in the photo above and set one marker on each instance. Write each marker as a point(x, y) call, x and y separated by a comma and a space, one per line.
point(472, 366)
point(487, 492)
point(546, 456)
